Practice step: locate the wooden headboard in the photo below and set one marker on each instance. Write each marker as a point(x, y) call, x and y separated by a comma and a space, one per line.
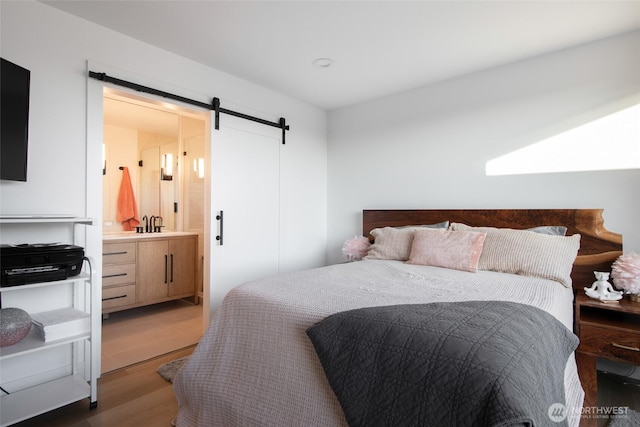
point(598, 246)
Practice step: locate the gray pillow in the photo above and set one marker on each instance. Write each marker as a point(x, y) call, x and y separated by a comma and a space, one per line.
point(554, 230)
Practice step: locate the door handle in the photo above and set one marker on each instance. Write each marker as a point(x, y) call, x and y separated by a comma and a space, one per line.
point(625, 347)
point(219, 237)
point(117, 297)
point(165, 268)
point(114, 275)
point(115, 253)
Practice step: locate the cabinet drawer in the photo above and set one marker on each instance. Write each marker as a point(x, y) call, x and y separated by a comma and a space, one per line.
point(610, 343)
point(118, 274)
point(117, 253)
point(118, 296)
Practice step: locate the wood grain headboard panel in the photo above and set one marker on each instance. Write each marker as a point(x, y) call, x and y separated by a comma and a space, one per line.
point(598, 246)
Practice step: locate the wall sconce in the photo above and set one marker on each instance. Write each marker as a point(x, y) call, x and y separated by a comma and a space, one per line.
point(198, 167)
point(166, 167)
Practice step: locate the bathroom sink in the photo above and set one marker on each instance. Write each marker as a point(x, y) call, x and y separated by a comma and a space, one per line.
point(133, 235)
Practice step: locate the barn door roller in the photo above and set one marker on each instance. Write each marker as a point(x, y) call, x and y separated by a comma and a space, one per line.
point(215, 104)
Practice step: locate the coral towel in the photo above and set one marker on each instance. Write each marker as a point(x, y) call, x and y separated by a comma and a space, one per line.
point(127, 207)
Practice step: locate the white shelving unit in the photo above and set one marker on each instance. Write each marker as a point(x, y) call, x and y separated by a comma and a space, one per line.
point(81, 382)
point(46, 219)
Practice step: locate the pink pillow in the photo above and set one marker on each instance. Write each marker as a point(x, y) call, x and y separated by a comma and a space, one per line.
point(458, 250)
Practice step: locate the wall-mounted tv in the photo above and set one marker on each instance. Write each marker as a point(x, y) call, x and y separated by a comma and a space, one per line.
point(14, 122)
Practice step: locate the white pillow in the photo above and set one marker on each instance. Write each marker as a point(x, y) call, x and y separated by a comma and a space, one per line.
point(395, 242)
point(527, 253)
point(391, 243)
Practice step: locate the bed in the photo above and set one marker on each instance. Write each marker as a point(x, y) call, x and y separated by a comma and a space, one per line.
point(259, 362)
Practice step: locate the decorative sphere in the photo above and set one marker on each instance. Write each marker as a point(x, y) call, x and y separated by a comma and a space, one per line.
point(625, 273)
point(356, 248)
point(15, 324)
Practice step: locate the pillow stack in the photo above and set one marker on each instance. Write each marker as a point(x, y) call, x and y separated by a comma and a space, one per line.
point(539, 252)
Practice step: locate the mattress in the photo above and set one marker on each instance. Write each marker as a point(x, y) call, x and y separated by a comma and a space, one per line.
point(256, 366)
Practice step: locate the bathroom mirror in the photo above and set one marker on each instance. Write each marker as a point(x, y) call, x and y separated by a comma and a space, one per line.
point(164, 152)
point(159, 183)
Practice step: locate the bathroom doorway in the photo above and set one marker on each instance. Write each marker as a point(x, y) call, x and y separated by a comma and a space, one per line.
point(163, 148)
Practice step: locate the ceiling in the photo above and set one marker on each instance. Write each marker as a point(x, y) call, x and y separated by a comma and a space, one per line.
point(125, 112)
point(378, 47)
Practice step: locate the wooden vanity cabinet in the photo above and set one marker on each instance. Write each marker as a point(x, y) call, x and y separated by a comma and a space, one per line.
point(166, 269)
point(148, 270)
point(118, 275)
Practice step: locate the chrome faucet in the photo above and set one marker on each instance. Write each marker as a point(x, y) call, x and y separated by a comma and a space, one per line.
point(146, 223)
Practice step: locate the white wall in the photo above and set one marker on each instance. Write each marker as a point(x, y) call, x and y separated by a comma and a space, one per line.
point(65, 136)
point(56, 47)
point(422, 149)
point(121, 150)
point(427, 148)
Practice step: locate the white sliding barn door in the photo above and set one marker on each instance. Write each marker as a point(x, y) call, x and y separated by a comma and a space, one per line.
point(245, 187)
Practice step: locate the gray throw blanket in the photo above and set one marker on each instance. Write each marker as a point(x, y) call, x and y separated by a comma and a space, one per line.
point(475, 363)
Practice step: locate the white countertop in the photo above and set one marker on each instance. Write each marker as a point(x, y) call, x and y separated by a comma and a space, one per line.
point(125, 235)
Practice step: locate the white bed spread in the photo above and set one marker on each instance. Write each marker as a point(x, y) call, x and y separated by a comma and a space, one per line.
point(255, 366)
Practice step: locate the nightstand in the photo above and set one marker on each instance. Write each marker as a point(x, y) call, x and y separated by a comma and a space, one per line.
point(607, 330)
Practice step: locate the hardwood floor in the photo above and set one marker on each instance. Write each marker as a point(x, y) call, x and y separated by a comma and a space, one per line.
point(617, 391)
point(132, 336)
point(130, 391)
point(133, 394)
point(137, 396)
point(130, 397)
